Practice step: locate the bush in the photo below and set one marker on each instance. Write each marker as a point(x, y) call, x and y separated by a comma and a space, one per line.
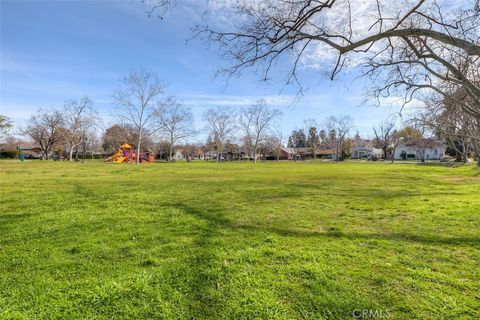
point(97, 156)
point(8, 154)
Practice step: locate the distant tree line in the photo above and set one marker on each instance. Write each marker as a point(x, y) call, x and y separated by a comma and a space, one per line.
point(427, 52)
point(422, 51)
point(149, 120)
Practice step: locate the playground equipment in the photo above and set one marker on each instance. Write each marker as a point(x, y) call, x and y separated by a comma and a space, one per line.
point(28, 153)
point(126, 155)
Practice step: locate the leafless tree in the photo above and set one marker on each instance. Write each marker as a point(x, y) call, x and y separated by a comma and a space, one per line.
point(93, 144)
point(395, 140)
point(78, 117)
point(405, 46)
point(220, 125)
point(275, 141)
point(44, 128)
point(256, 121)
point(335, 132)
point(158, 8)
point(384, 135)
point(176, 122)
point(5, 126)
point(11, 142)
point(457, 127)
point(137, 98)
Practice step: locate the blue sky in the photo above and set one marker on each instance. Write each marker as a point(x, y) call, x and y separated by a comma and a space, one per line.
point(52, 51)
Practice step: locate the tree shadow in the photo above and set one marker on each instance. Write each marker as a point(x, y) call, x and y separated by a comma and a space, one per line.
point(201, 267)
point(216, 218)
point(376, 192)
point(9, 218)
point(424, 239)
point(204, 264)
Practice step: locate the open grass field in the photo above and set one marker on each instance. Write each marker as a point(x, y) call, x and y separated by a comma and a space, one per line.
point(238, 241)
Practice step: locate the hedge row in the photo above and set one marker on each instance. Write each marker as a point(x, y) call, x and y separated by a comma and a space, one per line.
point(8, 154)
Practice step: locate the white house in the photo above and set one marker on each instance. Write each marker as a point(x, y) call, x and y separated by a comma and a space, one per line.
point(188, 154)
point(364, 149)
point(420, 149)
point(305, 153)
point(179, 154)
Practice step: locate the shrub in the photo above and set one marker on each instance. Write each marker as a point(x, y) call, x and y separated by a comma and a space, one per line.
point(11, 154)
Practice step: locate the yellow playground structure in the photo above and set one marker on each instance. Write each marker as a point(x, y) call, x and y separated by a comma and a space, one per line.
point(125, 154)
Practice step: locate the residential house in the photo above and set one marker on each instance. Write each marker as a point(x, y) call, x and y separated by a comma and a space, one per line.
point(192, 153)
point(198, 154)
point(232, 155)
point(180, 154)
point(305, 153)
point(363, 148)
point(420, 149)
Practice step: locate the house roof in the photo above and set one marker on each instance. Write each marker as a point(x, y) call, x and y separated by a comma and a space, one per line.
point(362, 144)
point(423, 142)
point(325, 152)
point(304, 150)
point(287, 150)
point(29, 148)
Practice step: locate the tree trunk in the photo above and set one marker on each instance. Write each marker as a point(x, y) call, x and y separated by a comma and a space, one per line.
point(76, 153)
point(138, 145)
point(84, 151)
point(172, 141)
point(47, 153)
point(70, 157)
point(170, 156)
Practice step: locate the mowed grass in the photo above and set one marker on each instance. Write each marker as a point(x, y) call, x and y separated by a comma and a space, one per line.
point(238, 241)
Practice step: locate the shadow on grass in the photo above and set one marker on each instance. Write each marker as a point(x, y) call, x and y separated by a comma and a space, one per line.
point(9, 218)
point(425, 239)
point(378, 192)
point(210, 301)
point(202, 270)
point(217, 218)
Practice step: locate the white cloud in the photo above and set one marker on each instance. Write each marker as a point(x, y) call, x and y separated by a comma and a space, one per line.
point(208, 100)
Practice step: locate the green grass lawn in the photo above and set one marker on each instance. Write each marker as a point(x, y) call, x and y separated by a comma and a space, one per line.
point(238, 241)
